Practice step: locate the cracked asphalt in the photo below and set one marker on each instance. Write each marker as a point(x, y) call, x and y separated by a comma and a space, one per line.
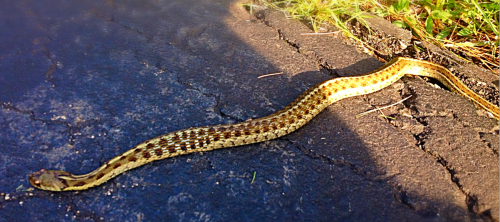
point(81, 82)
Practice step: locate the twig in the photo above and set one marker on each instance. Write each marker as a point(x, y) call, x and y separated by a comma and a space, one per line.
point(270, 74)
point(320, 33)
point(378, 109)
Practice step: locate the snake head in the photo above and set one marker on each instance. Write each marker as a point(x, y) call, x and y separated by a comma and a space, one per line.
point(52, 180)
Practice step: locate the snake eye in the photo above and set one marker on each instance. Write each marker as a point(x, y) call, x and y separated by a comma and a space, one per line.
point(37, 182)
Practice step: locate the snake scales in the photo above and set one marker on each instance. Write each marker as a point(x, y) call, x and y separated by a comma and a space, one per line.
point(285, 121)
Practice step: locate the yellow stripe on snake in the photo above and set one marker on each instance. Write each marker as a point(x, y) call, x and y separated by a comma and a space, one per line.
point(283, 122)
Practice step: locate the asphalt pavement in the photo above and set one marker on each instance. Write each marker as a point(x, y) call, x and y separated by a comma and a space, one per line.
point(84, 81)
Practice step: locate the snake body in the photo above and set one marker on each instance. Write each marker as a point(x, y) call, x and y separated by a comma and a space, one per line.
point(283, 122)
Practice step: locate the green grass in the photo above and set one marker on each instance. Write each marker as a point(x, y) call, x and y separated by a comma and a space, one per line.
point(468, 28)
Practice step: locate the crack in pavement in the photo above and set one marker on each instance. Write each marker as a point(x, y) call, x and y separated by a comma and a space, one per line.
point(480, 132)
point(112, 20)
point(72, 129)
point(470, 200)
point(420, 137)
point(320, 62)
point(336, 162)
point(217, 107)
point(487, 143)
point(50, 71)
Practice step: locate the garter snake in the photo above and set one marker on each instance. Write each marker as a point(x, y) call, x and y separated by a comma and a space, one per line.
point(283, 122)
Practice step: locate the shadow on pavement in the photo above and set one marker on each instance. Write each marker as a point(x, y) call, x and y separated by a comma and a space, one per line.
point(81, 82)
